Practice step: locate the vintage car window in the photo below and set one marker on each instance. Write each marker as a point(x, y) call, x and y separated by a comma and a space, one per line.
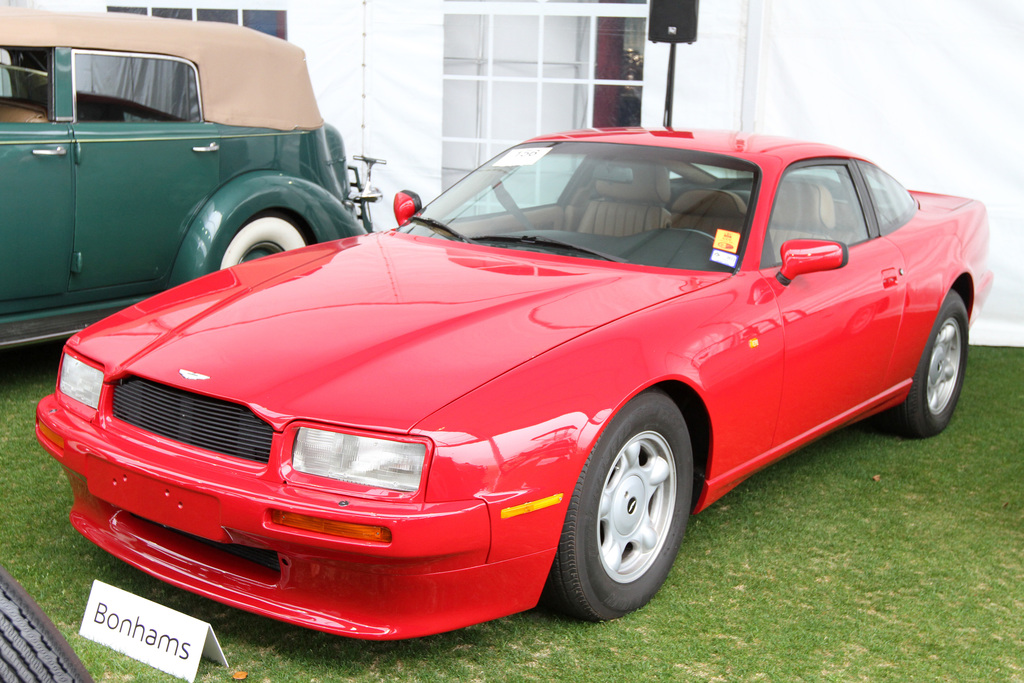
point(24, 85)
point(893, 204)
point(637, 204)
point(814, 202)
point(134, 88)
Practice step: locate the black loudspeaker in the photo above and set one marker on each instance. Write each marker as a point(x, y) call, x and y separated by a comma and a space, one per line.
point(672, 21)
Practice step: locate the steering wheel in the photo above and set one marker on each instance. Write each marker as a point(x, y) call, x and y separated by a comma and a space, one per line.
point(695, 232)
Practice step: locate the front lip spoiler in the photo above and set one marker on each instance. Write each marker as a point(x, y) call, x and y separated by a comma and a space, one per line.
point(348, 601)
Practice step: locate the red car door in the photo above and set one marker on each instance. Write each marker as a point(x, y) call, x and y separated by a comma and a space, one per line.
point(841, 325)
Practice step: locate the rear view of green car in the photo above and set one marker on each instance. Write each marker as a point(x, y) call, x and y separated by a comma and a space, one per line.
point(139, 153)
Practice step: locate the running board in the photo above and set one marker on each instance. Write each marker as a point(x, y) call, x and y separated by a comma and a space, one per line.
point(51, 327)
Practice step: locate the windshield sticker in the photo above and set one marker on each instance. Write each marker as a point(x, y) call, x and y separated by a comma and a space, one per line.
point(523, 157)
point(726, 240)
point(725, 258)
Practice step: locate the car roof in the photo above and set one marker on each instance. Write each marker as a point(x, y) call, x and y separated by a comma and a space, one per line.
point(751, 146)
point(247, 78)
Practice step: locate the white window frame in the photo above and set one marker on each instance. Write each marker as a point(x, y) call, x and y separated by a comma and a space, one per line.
point(488, 145)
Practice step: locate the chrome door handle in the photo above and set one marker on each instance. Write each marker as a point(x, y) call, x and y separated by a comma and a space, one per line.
point(212, 147)
point(55, 152)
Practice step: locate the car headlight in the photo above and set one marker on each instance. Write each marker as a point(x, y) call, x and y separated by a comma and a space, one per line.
point(395, 465)
point(80, 381)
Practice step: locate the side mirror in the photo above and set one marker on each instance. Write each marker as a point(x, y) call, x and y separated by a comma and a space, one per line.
point(407, 205)
point(800, 257)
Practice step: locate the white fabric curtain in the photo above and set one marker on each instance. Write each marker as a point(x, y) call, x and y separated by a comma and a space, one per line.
point(376, 68)
point(929, 90)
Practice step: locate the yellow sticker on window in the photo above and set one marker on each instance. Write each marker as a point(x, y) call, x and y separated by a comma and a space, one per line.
point(726, 240)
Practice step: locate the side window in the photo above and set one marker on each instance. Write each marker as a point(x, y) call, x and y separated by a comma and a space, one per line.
point(814, 202)
point(24, 85)
point(117, 87)
point(893, 205)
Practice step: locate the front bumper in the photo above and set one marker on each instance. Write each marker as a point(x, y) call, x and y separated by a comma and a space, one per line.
point(203, 522)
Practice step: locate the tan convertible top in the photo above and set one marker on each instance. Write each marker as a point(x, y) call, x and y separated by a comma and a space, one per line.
point(247, 78)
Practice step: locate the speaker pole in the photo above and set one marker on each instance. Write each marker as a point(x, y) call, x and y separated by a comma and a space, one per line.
point(670, 87)
point(672, 21)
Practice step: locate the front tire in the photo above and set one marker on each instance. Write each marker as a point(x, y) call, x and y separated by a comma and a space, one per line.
point(939, 378)
point(627, 515)
point(265, 234)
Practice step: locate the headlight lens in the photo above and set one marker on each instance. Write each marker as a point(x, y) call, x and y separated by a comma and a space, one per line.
point(383, 463)
point(80, 381)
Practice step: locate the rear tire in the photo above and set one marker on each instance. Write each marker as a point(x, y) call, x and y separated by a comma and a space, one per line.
point(263, 235)
point(32, 650)
point(627, 515)
point(939, 378)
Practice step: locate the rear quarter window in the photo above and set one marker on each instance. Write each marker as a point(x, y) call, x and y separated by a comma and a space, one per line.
point(131, 88)
point(893, 204)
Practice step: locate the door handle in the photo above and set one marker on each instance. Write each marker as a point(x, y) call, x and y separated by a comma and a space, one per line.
point(212, 147)
point(890, 278)
point(51, 152)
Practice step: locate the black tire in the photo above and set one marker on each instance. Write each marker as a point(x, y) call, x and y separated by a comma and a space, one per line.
point(601, 569)
point(32, 650)
point(939, 377)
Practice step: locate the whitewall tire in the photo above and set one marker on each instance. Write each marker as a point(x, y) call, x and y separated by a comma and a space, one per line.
point(262, 236)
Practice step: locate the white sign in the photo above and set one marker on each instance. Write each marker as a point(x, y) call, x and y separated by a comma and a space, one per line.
point(159, 636)
point(726, 259)
point(526, 156)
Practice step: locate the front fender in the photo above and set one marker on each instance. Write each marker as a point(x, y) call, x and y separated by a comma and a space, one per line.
point(230, 207)
point(524, 436)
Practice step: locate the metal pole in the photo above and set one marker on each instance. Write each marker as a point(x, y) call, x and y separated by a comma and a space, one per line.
point(671, 85)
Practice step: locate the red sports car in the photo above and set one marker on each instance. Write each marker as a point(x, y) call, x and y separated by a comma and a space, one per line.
point(526, 389)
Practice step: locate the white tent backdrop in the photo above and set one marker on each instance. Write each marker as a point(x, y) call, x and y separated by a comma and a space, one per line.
point(376, 68)
point(925, 88)
point(928, 89)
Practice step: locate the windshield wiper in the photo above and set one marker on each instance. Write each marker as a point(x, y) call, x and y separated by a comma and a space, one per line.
point(551, 242)
point(442, 228)
point(450, 232)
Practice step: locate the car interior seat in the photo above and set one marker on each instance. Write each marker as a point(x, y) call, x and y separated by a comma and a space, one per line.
point(629, 205)
point(19, 113)
point(708, 211)
point(803, 210)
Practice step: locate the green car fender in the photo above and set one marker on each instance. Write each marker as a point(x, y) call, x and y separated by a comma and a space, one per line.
point(321, 215)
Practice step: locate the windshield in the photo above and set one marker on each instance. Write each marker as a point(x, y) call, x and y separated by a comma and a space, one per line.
point(636, 204)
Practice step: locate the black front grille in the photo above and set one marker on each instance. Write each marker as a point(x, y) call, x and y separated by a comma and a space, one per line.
point(261, 556)
point(209, 423)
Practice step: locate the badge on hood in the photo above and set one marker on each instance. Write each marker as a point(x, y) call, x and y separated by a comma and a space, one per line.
point(188, 374)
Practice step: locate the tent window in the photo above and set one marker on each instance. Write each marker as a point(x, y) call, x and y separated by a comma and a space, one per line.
point(515, 71)
point(270, 21)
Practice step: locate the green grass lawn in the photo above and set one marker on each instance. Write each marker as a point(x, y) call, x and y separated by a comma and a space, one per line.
point(861, 557)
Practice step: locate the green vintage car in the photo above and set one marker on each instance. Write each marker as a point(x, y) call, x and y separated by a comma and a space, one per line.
point(139, 153)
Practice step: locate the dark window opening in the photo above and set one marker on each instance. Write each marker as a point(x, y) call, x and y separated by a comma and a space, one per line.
point(271, 22)
point(134, 89)
point(224, 16)
point(172, 13)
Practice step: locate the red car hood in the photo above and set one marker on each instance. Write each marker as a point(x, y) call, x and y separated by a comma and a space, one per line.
point(377, 331)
